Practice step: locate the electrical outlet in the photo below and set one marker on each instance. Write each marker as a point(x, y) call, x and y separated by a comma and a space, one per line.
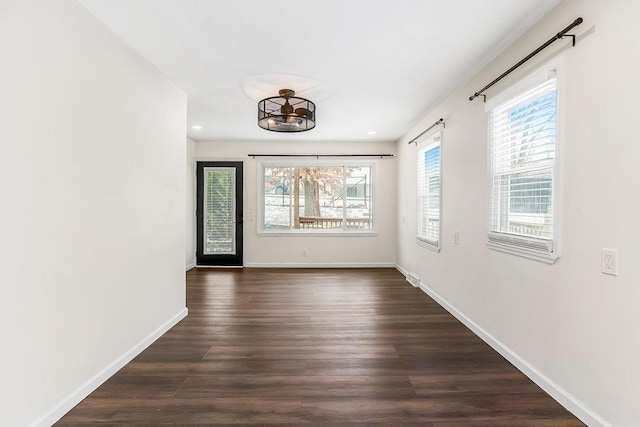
point(456, 237)
point(609, 261)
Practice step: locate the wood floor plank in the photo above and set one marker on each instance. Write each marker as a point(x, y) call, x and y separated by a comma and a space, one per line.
point(338, 347)
point(296, 386)
point(433, 408)
point(185, 412)
point(502, 383)
point(215, 367)
point(282, 352)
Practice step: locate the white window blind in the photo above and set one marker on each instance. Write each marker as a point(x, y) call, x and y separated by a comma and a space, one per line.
point(429, 192)
point(522, 161)
point(219, 207)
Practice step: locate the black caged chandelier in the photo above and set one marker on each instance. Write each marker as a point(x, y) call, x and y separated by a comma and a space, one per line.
point(286, 113)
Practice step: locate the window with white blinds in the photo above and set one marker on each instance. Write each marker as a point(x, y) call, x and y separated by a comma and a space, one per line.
point(522, 172)
point(429, 189)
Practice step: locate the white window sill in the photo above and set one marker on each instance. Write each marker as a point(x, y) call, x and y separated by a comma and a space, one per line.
point(305, 233)
point(545, 257)
point(427, 244)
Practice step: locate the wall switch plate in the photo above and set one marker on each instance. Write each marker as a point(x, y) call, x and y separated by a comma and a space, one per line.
point(456, 237)
point(609, 261)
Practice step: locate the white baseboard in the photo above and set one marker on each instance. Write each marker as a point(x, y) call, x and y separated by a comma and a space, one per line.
point(566, 399)
point(319, 265)
point(190, 266)
point(66, 404)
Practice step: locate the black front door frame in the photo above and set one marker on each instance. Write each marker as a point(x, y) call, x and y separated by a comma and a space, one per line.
point(203, 259)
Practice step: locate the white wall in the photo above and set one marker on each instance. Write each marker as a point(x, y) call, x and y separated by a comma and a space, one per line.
point(575, 327)
point(92, 217)
point(190, 245)
point(321, 251)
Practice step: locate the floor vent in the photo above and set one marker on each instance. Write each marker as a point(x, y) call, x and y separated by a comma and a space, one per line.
point(411, 278)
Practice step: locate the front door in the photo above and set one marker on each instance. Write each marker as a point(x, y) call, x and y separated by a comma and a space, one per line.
point(219, 213)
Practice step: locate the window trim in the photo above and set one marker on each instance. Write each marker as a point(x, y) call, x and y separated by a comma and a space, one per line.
point(300, 162)
point(530, 247)
point(426, 144)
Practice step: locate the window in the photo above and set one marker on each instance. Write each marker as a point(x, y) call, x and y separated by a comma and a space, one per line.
point(317, 198)
point(522, 171)
point(429, 193)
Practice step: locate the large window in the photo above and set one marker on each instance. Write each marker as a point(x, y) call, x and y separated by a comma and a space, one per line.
point(522, 171)
point(429, 192)
point(317, 198)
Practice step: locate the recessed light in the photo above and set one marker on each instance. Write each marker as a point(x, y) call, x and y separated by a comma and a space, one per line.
point(371, 132)
point(196, 127)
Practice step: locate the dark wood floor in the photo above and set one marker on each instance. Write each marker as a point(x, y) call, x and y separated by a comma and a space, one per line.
point(317, 346)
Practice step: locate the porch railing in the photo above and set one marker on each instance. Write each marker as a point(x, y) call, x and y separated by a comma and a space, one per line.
point(324, 223)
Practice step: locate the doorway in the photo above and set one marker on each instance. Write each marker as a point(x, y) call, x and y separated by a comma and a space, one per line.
point(219, 213)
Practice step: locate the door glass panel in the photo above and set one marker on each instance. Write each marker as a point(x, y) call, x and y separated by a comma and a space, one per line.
point(219, 207)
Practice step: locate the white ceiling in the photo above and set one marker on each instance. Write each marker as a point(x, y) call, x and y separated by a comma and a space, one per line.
point(369, 65)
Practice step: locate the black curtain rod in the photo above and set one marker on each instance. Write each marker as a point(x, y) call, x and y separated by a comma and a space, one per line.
point(558, 36)
point(320, 155)
point(439, 122)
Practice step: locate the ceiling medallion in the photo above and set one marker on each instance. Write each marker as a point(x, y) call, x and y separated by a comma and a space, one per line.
point(286, 113)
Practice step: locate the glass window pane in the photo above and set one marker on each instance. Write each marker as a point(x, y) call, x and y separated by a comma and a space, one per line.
point(428, 185)
point(523, 154)
point(358, 208)
point(321, 193)
point(277, 198)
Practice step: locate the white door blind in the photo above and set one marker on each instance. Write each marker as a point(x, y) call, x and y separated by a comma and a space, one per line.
point(429, 192)
point(522, 133)
point(219, 207)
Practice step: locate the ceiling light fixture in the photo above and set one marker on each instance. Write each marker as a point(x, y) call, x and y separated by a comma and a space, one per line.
point(371, 132)
point(286, 113)
point(196, 127)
